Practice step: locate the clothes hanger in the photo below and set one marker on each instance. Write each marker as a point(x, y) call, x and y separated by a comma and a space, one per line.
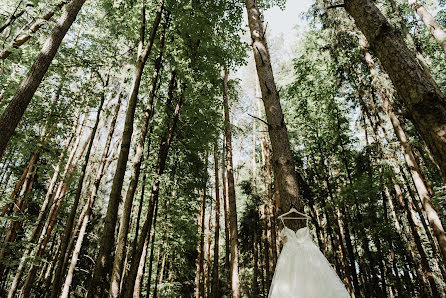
point(293, 210)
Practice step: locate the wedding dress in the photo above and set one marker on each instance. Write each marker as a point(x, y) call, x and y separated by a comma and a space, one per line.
point(302, 271)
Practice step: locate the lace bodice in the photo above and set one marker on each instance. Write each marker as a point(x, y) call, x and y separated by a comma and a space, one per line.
point(300, 236)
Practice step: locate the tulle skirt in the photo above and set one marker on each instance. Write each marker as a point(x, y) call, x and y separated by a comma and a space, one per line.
point(302, 271)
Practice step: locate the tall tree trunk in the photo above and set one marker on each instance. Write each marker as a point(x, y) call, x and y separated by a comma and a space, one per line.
point(199, 273)
point(103, 263)
point(86, 212)
point(39, 222)
point(424, 101)
point(59, 271)
point(11, 116)
point(208, 259)
point(152, 249)
point(235, 280)
point(215, 273)
point(51, 220)
point(255, 252)
point(165, 143)
point(118, 262)
point(226, 212)
point(283, 164)
point(415, 170)
point(428, 20)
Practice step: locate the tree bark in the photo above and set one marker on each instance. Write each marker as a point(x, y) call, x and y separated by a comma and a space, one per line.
point(199, 272)
point(11, 116)
point(118, 262)
point(415, 170)
point(104, 261)
point(58, 273)
point(235, 280)
point(283, 164)
point(215, 273)
point(166, 141)
point(428, 20)
point(424, 101)
point(226, 212)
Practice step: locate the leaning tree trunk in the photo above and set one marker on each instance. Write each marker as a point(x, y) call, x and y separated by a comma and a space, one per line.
point(103, 264)
point(428, 20)
point(50, 223)
point(424, 101)
point(39, 222)
point(235, 280)
point(283, 164)
point(118, 262)
point(199, 272)
point(58, 273)
point(25, 92)
point(215, 278)
point(225, 212)
point(166, 141)
point(414, 168)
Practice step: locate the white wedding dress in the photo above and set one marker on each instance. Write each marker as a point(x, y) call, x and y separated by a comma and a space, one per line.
point(302, 271)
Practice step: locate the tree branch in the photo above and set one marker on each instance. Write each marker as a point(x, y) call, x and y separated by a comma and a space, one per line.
point(259, 119)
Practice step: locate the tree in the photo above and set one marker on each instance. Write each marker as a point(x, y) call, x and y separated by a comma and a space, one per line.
point(11, 116)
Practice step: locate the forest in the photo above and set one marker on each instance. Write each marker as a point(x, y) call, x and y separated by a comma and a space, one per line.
point(148, 148)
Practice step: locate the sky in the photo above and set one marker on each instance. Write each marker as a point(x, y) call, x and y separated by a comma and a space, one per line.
point(284, 21)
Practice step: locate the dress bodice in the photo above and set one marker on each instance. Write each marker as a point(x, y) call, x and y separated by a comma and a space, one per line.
point(300, 236)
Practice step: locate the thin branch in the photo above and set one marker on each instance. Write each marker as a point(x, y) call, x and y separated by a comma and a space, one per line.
point(259, 119)
point(336, 6)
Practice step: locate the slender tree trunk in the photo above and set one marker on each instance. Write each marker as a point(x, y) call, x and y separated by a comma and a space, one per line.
point(11, 116)
point(58, 273)
point(415, 170)
point(215, 273)
point(86, 212)
point(208, 259)
point(104, 260)
point(166, 141)
point(283, 164)
point(226, 212)
point(20, 39)
point(152, 249)
point(199, 273)
point(40, 219)
point(136, 170)
point(255, 253)
point(428, 20)
point(235, 280)
point(424, 101)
